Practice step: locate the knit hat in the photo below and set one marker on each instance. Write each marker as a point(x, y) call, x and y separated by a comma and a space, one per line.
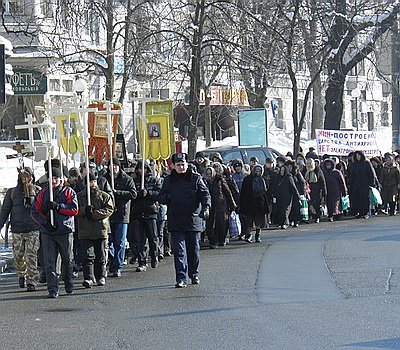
point(92, 176)
point(199, 155)
point(28, 170)
point(115, 161)
point(55, 172)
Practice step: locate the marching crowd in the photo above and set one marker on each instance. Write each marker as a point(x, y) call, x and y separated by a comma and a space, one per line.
point(154, 211)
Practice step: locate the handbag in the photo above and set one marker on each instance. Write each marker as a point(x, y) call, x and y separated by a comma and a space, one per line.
point(345, 201)
point(235, 227)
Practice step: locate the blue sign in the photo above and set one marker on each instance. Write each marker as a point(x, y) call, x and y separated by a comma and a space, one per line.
point(253, 127)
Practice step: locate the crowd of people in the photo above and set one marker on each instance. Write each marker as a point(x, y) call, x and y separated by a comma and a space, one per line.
point(97, 219)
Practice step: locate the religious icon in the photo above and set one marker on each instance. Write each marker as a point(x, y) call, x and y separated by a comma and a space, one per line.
point(154, 130)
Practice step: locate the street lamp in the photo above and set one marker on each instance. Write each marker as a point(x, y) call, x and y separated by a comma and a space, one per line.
point(356, 93)
point(80, 86)
point(47, 131)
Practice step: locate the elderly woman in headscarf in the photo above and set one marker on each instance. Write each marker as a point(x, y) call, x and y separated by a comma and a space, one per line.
point(335, 188)
point(300, 184)
point(222, 203)
point(254, 203)
point(317, 188)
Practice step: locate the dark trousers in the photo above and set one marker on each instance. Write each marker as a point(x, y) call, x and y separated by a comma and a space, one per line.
point(52, 245)
point(145, 229)
point(186, 247)
point(77, 252)
point(94, 258)
point(131, 240)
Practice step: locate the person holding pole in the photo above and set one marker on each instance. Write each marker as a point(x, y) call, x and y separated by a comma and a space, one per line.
point(54, 213)
point(124, 192)
point(189, 202)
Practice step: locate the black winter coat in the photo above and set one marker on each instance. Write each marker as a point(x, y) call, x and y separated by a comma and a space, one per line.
point(286, 193)
point(185, 195)
point(124, 193)
point(21, 220)
point(146, 207)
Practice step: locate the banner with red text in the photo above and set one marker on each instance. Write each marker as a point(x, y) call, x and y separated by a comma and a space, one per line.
point(341, 142)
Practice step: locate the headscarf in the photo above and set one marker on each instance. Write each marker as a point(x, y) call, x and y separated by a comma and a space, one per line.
point(310, 176)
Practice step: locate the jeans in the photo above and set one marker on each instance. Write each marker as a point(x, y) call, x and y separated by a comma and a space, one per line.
point(117, 245)
point(52, 245)
point(186, 247)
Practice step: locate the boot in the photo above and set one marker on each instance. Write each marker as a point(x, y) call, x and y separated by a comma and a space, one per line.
point(257, 236)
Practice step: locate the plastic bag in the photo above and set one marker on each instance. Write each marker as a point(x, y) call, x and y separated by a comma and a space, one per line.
point(375, 198)
point(303, 208)
point(345, 202)
point(235, 227)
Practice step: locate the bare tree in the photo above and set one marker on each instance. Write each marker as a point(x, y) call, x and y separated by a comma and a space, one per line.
point(355, 30)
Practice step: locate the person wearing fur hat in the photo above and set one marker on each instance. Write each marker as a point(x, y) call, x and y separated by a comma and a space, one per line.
point(143, 218)
point(56, 220)
point(94, 225)
point(188, 201)
point(124, 192)
point(254, 203)
point(25, 231)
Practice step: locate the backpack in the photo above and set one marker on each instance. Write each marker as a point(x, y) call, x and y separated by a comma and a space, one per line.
point(259, 187)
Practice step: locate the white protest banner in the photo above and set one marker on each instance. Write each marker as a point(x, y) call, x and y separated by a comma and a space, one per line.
point(341, 142)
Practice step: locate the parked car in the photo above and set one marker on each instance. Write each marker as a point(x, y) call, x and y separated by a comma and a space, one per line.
point(242, 152)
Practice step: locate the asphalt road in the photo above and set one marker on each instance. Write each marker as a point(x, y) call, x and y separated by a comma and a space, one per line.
point(326, 286)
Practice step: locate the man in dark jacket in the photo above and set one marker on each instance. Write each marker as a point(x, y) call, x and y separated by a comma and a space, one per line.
point(124, 192)
point(144, 216)
point(57, 234)
point(188, 201)
point(17, 202)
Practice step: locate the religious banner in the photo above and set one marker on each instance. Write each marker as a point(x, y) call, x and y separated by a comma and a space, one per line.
point(160, 137)
point(253, 127)
point(75, 142)
point(98, 129)
point(341, 142)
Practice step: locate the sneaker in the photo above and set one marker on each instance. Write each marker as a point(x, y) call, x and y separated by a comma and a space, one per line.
point(154, 262)
point(30, 287)
point(101, 281)
point(284, 227)
point(258, 240)
point(87, 283)
point(52, 295)
point(181, 284)
point(196, 280)
point(317, 220)
point(241, 238)
point(116, 274)
point(160, 256)
point(142, 268)
point(249, 239)
point(330, 219)
point(22, 282)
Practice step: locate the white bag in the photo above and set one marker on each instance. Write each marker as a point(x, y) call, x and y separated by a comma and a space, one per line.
point(235, 227)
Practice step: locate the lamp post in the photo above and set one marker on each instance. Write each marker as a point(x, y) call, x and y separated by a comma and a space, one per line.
point(47, 134)
point(356, 93)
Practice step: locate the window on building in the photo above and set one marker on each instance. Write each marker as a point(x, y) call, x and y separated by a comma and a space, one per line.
point(67, 85)
point(45, 8)
point(55, 85)
point(354, 113)
point(16, 7)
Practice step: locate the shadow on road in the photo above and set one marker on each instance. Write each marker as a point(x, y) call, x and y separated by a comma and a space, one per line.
point(393, 343)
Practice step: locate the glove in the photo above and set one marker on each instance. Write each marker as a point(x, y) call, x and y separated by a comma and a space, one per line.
point(28, 202)
point(52, 205)
point(89, 211)
point(50, 227)
point(205, 212)
point(142, 193)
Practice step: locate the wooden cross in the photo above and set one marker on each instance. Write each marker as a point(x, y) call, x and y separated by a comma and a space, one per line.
point(20, 153)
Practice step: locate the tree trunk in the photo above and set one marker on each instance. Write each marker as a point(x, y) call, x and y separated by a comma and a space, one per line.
point(317, 121)
point(334, 103)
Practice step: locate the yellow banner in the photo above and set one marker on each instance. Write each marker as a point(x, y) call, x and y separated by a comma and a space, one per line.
point(75, 138)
